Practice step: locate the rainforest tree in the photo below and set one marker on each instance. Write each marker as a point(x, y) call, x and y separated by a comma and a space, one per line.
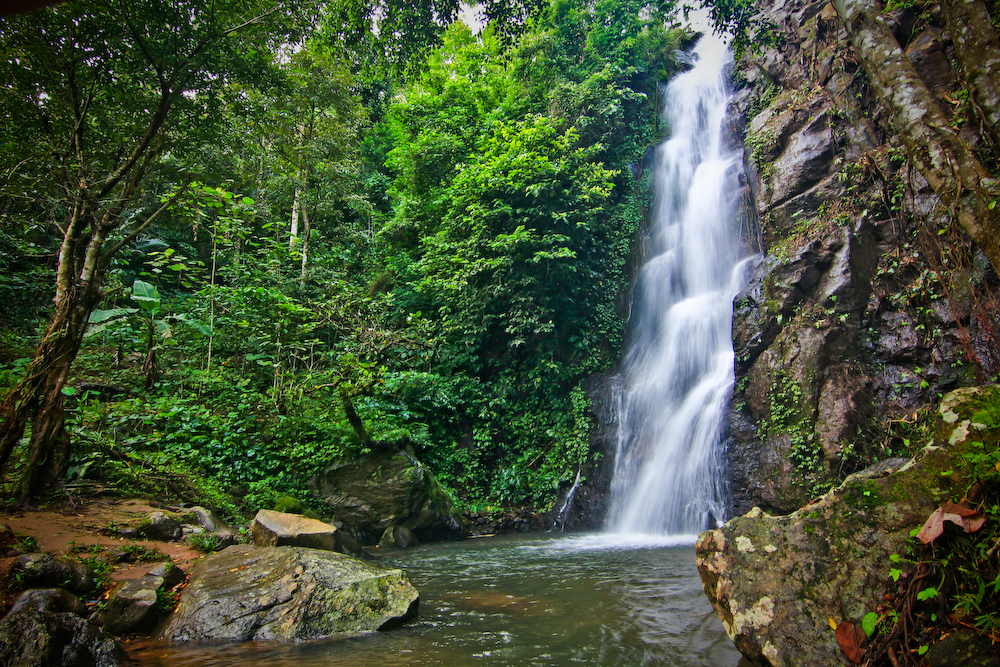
point(95, 95)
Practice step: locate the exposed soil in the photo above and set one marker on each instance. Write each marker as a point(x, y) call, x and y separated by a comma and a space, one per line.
point(58, 529)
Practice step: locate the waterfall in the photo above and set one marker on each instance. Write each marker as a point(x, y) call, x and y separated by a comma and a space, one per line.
point(678, 364)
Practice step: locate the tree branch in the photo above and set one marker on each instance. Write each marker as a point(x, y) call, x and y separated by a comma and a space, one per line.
point(106, 257)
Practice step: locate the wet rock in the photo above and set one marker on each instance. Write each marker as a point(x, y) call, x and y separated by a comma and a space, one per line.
point(273, 529)
point(775, 581)
point(209, 522)
point(159, 526)
point(964, 648)
point(132, 606)
point(45, 571)
point(898, 337)
point(372, 493)
point(398, 536)
point(784, 218)
point(805, 161)
point(170, 573)
point(31, 638)
point(288, 593)
point(55, 600)
point(589, 504)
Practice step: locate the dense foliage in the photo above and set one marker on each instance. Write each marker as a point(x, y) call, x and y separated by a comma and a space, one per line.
point(444, 254)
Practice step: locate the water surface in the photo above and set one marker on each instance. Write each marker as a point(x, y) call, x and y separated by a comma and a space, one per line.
point(520, 600)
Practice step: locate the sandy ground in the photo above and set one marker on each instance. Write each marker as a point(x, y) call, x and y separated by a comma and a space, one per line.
point(58, 529)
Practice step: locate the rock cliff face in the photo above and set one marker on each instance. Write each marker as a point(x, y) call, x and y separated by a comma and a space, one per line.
point(845, 328)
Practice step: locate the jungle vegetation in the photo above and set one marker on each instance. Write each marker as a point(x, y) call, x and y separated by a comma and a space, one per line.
point(241, 239)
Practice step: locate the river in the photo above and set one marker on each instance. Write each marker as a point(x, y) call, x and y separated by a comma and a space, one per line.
point(598, 600)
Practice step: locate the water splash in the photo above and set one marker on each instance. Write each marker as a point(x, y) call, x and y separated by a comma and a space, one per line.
point(678, 367)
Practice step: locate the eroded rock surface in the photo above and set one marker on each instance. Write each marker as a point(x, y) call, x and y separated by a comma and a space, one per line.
point(288, 593)
point(776, 581)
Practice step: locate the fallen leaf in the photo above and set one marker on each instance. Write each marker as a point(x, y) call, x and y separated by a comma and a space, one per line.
point(833, 624)
point(969, 519)
point(850, 639)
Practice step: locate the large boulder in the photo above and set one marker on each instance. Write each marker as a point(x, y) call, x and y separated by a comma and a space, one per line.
point(54, 600)
point(45, 570)
point(382, 490)
point(776, 581)
point(288, 593)
point(30, 638)
point(281, 529)
point(133, 606)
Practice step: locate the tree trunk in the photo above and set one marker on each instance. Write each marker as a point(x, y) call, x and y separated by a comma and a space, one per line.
point(293, 230)
point(305, 245)
point(978, 50)
point(39, 398)
point(932, 145)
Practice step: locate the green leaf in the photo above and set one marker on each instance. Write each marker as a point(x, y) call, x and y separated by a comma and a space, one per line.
point(868, 623)
point(69, 391)
point(146, 295)
point(98, 316)
point(927, 593)
point(194, 324)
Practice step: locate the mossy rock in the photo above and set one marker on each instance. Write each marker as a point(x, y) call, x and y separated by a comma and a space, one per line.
point(777, 581)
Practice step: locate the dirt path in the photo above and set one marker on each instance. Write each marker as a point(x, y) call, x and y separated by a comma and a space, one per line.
point(60, 529)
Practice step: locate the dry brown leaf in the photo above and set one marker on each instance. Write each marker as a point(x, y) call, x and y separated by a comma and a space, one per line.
point(850, 639)
point(969, 519)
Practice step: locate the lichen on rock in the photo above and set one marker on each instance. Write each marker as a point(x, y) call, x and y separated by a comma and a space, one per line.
point(776, 581)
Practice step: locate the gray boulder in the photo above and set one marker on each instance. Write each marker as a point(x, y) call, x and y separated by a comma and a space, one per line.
point(44, 571)
point(372, 493)
point(776, 581)
point(280, 529)
point(132, 606)
point(55, 600)
point(288, 593)
point(159, 526)
point(31, 638)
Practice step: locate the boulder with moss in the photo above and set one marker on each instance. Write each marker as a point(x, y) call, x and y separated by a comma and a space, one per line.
point(777, 582)
point(288, 593)
point(383, 490)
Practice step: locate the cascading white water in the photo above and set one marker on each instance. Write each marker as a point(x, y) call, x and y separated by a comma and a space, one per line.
point(678, 366)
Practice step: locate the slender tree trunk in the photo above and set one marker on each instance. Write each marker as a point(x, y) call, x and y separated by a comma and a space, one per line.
point(305, 245)
point(293, 230)
point(932, 145)
point(978, 48)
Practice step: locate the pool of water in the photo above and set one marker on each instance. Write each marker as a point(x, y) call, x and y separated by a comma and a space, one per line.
point(519, 600)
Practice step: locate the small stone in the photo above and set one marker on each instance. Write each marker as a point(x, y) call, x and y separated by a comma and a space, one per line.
point(271, 528)
point(170, 573)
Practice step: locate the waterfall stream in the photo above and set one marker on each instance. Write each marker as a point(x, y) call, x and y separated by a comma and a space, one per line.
point(678, 365)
